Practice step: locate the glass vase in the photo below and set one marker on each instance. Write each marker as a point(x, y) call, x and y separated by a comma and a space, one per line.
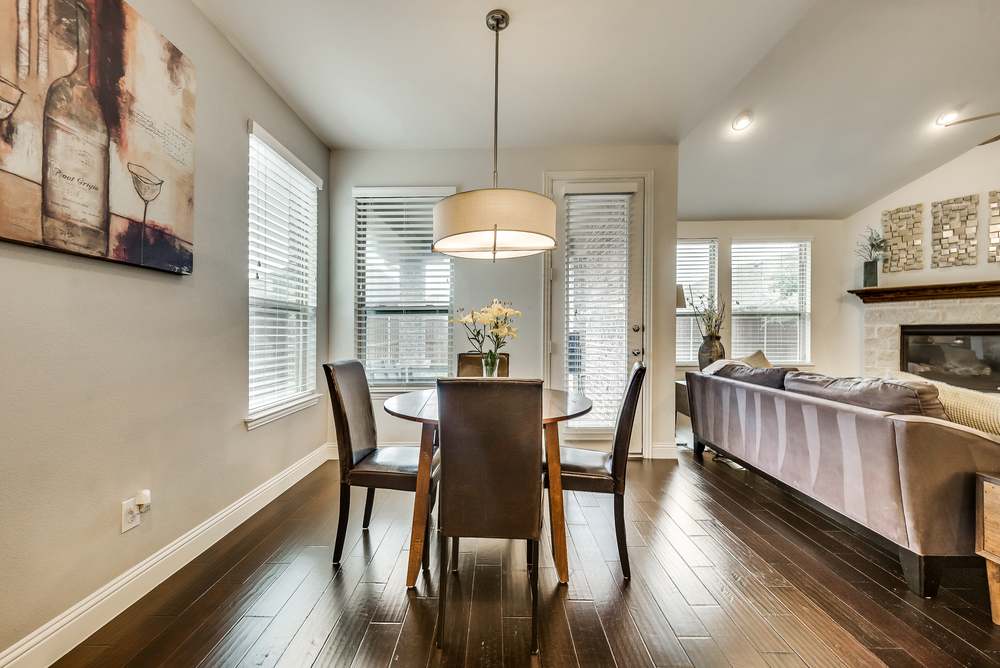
point(491, 364)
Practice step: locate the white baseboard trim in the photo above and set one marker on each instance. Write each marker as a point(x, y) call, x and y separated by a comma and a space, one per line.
point(47, 644)
point(664, 451)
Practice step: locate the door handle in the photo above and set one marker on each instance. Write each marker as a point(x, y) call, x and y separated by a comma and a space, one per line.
point(635, 328)
point(636, 352)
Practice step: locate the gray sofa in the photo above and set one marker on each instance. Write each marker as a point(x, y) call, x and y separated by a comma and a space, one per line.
point(905, 480)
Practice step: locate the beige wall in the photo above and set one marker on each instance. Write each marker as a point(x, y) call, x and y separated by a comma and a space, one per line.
point(520, 280)
point(115, 378)
point(974, 172)
point(831, 338)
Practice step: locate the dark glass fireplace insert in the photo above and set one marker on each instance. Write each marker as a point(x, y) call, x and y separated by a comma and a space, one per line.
point(962, 355)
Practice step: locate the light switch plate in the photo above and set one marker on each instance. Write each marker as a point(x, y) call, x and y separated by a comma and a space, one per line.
point(130, 515)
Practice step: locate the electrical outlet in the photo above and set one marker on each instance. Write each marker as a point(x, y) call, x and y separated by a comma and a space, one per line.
point(130, 515)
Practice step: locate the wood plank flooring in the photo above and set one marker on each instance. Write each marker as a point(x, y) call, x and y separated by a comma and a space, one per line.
point(727, 570)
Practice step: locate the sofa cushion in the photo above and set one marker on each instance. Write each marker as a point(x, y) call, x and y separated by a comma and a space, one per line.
point(891, 396)
point(769, 377)
point(966, 407)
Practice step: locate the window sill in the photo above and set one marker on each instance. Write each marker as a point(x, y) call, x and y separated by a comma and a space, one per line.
point(281, 410)
point(383, 393)
point(694, 367)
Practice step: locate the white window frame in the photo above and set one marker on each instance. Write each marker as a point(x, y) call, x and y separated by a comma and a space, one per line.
point(805, 310)
point(687, 313)
point(269, 411)
point(381, 391)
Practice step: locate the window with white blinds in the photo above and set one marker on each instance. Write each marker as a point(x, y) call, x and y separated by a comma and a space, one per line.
point(282, 273)
point(697, 272)
point(770, 301)
point(598, 244)
point(403, 292)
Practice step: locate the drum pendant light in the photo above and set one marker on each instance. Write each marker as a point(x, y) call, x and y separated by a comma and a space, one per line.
point(500, 222)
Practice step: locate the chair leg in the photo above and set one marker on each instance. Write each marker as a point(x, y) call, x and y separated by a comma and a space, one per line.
point(345, 513)
point(369, 504)
point(454, 554)
point(426, 557)
point(528, 553)
point(620, 530)
point(443, 584)
point(534, 598)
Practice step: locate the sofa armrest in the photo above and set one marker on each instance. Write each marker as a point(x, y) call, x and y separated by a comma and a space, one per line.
point(938, 461)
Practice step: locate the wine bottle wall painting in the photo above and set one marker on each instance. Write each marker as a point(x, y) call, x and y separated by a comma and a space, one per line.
point(96, 134)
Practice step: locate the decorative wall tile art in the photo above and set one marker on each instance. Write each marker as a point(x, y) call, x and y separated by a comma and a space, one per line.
point(953, 232)
point(97, 117)
point(903, 232)
point(994, 254)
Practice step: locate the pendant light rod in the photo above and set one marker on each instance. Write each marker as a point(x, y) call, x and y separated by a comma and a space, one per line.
point(496, 20)
point(496, 106)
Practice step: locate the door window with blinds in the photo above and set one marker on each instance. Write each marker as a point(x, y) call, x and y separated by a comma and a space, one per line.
point(697, 272)
point(403, 291)
point(771, 299)
point(598, 258)
point(282, 276)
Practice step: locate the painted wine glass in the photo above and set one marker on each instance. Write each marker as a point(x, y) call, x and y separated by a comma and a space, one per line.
point(148, 186)
point(10, 97)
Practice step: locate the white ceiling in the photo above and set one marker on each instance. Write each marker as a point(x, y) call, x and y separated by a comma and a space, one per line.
point(844, 92)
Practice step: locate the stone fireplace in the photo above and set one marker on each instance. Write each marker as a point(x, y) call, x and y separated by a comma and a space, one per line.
point(888, 309)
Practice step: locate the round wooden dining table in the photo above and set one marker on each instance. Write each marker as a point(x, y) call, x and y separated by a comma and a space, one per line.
point(421, 406)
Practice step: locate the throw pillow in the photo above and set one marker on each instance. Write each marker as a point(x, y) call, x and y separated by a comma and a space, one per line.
point(966, 407)
point(892, 396)
point(714, 367)
point(772, 377)
point(757, 360)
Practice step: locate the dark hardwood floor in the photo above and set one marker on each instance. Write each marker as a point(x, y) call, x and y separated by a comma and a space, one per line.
point(726, 571)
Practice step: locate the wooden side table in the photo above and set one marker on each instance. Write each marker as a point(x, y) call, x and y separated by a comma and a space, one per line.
point(681, 398)
point(988, 533)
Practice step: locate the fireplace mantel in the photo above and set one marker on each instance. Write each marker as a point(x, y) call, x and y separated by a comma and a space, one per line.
point(909, 293)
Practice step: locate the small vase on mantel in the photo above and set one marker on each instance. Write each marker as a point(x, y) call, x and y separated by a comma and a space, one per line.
point(871, 274)
point(711, 350)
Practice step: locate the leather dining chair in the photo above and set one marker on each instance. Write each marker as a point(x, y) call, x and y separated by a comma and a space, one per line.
point(594, 471)
point(490, 435)
point(470, 365)
point(362, 462)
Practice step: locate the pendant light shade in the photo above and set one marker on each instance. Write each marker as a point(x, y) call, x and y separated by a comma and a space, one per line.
point(498, 223)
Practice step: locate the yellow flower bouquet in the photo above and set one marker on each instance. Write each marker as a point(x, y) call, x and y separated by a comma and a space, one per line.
point(489, 325)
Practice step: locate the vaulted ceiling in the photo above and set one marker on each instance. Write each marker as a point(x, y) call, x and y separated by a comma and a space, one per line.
point(844, 93)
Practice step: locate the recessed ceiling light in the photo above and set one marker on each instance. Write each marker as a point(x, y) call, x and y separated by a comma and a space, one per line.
point(947, 117)
point(743, 121)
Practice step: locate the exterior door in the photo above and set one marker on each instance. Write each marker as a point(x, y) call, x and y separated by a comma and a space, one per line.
point(596, 308)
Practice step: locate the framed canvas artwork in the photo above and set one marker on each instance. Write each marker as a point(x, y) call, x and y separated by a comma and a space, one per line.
point(97, 115)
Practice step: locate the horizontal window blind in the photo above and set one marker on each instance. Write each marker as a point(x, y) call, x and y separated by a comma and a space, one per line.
point(770, 302)
point(598, 242)
point(282, 274)
point(697, 271)
point(404, 292)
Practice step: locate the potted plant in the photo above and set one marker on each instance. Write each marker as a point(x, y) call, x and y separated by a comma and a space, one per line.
point(710, 314)
point(871, 249)
point(489, 325)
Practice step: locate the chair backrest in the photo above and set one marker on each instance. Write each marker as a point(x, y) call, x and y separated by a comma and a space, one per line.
point(353, 414)
point(470, 365)
point(490, 439)
point(623, 426)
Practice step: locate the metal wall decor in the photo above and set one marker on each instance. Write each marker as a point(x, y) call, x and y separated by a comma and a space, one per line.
point(903, 231)
point(994, 252)
point(953, 232)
